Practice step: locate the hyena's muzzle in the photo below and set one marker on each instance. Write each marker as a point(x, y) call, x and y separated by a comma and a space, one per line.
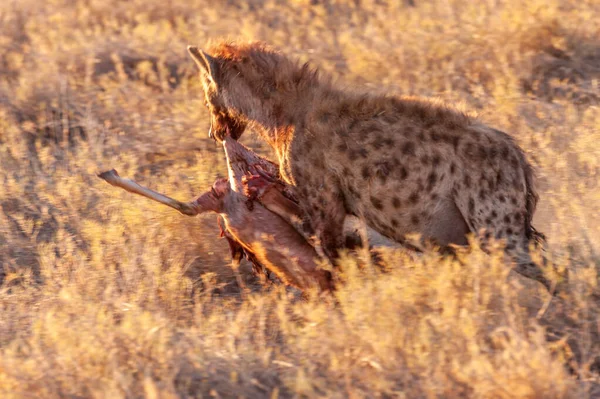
point(224, 125)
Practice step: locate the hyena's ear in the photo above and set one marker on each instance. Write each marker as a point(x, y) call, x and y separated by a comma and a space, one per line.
point(205, 62)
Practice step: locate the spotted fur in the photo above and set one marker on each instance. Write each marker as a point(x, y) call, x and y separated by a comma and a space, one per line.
point(404, 165)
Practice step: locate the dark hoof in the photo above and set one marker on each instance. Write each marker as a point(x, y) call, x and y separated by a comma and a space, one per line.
point(109, 176)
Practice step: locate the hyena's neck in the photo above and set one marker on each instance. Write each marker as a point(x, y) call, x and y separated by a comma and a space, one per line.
point(286, 115)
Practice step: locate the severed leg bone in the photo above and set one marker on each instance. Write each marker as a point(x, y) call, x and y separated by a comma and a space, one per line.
point(113, 178)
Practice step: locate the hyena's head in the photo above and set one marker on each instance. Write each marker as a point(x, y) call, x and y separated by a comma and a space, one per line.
point(243, 83)
point(224, 119)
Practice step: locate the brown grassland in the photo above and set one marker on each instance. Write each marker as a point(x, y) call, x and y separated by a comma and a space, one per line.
point(105, 295)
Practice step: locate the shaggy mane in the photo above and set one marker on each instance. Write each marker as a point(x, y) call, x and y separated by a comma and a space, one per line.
point(238, 50)
point(268, 58)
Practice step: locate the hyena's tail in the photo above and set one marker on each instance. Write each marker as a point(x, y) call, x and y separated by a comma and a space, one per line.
point(539, 239)
point(531, 200)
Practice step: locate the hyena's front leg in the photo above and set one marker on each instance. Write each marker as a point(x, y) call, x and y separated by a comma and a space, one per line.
point(326, 213)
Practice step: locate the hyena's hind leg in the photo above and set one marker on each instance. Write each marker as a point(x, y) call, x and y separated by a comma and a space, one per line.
point(504, 219)
point(517, 249)
point(519, 253)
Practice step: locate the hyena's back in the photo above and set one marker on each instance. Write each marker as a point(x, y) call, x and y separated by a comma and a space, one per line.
point(434, 173)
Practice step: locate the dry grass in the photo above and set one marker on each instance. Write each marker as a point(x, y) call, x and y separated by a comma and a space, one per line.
point(105, 295)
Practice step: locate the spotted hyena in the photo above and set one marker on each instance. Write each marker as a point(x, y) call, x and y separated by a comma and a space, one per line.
point(404, 165)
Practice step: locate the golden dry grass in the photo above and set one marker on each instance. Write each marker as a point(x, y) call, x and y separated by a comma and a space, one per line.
point(105, 295)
